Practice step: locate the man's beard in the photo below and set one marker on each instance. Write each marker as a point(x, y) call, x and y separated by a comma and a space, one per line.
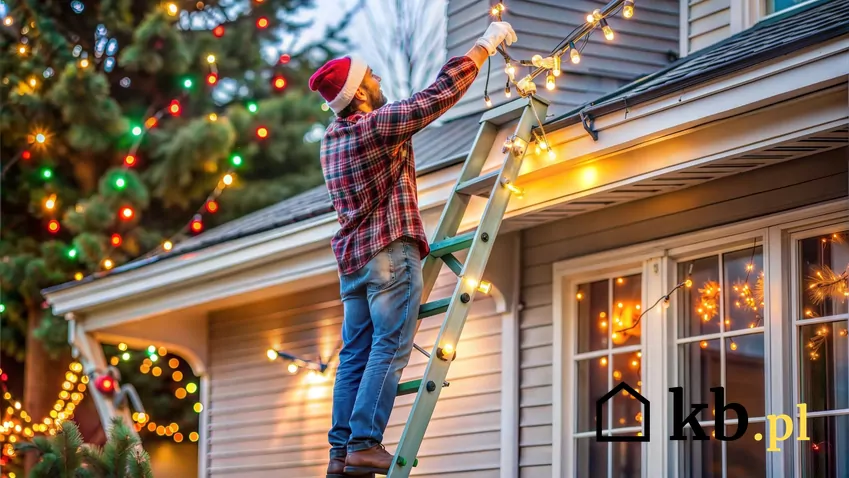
point(378, 100)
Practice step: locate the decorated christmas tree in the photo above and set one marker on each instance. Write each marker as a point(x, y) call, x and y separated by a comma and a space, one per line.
point(129, 125)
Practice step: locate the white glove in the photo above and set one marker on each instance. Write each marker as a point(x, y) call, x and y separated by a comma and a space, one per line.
point(496, 33)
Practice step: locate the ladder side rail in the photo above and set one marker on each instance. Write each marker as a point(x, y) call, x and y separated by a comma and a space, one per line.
point(458, 310)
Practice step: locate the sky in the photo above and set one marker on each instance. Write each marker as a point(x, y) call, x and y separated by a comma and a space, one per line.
point(329, 12)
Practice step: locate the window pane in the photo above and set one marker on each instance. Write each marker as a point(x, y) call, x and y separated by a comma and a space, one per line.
point(627, 459)
point(705, 276)
point(699, 370)
point(823, 260)
point(824, 366)
point(591, 385)
point(744, 374)
point(590, 458)
point(824, 455)
point(746, 457)
point(627, 298)
point(743, 285)
point(700, 458)
point(593, 316)
point(626, 408)
point(779, 5)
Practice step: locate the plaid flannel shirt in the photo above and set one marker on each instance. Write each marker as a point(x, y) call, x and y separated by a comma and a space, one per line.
point(370, 171)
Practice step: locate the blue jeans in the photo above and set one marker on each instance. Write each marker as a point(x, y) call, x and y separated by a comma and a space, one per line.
point(381, 306)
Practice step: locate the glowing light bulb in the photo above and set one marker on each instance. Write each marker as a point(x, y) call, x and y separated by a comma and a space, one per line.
point(551, 154)
point(172, 9)
point(507, 92)
point(292, 368)
point(487, 101)
point(167, 245)
point(271, 354)
point(446, 352)
point(608, 32)
point(210, 58)
point(50, 202)
point(628, 9)
point(549, 81)
point(227, 179)
point(129, 160)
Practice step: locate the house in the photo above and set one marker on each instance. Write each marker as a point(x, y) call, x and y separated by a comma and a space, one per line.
point(676, 240)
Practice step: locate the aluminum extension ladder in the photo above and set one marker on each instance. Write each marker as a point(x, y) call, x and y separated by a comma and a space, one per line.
point(498, 188)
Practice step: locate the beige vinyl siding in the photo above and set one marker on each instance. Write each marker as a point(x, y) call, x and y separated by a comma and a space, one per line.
point(709, 21)
point(769, 190)
point(265, 422)
point(643, 44)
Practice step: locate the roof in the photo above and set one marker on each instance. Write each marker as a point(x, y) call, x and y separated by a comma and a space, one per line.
point(771, 38)
point(440, 146)
point(435, 148)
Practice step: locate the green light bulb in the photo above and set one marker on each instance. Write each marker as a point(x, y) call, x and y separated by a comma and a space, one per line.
point(187, 83)
point(120, 183)
point(137, 130)
point(151, 349)
point(252, 107)
point(46, 173)
point(2, 308)
point(236, 160)
point(72, 253)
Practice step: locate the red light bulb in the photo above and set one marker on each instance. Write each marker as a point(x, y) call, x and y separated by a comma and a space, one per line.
point(279, 82)
point(174, 109)
point(262, 132)
point(116, 240)
point(262, 22)
point(129, 160)
point(26, 155)
point(212, 78)
point(197, 224)
point(218, 31)
point(53, 226)
point(211, 206)
point(127, 213)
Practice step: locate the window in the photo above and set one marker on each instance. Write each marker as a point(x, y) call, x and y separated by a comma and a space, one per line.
point(608, 350)
point(720, 342)
point(820, 318)
point(774, 6)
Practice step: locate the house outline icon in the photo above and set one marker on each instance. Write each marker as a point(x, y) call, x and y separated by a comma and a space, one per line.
point(621, 438)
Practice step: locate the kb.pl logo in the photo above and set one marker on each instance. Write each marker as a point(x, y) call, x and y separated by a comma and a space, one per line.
point(679, 421)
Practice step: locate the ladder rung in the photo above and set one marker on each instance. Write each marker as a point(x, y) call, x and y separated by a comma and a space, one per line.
point(452, 244)
point(407, 388)
point(479, 186)
point(436, 307)
point(453, 263)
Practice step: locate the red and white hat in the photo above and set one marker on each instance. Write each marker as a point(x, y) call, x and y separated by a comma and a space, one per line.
point(338, 80)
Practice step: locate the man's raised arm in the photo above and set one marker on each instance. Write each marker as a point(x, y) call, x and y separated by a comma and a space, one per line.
point(398, 121)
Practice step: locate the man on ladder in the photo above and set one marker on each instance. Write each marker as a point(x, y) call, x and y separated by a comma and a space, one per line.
point(369, 169)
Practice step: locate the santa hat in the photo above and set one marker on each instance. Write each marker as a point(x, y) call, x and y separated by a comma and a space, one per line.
point(338, 80)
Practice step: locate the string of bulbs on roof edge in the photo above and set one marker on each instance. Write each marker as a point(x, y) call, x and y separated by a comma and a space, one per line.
point(552, 63)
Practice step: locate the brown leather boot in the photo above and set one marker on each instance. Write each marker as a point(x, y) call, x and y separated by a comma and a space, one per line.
point(369, 461)
point(336, 469)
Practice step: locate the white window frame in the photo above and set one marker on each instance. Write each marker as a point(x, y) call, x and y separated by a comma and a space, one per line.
point(659, 363)
point(794, 237)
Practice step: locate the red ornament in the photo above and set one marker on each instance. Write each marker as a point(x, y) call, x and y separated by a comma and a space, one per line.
point(197, 224)
point(262, 22)
point(262, 132)
point(53, 226)
point(212, 78)
point(218, 31)
point(174, 109)
point(105, 384)
point(211, 206)
point(117, 239)
point(284, 58)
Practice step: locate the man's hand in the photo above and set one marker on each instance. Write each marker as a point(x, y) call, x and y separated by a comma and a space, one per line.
point(496, 33)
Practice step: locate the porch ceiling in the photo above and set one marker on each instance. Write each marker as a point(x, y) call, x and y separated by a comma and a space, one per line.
point(684, 178)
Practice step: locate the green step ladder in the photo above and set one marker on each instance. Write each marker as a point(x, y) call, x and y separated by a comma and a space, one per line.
point(497, 187)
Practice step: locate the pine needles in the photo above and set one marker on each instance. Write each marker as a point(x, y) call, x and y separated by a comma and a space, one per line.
point(65, 455)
